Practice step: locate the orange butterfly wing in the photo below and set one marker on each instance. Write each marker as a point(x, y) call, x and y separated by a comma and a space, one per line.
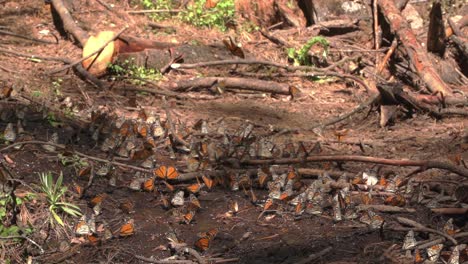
point(212, 233)
point(188, 217)
point(208, 181)
point(98, 199)
point(161, 172)
point(165, 172)
point(268, 204)
point(127, 229)
point(194, 188)
point(172, 173)
point(93, 240)
point(203, 243)
point(194, 200)
point(148, 185)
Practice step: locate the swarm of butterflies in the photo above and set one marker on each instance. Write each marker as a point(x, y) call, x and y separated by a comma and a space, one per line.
point(209, 146)
point(143, 138)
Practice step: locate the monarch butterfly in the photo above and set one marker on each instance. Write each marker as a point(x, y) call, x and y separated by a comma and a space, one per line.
point(298, 208)
point(143, 115)
point(192, 164)
point(254, 197)
point(294, 91)
point(98, 199)
point(292, 174)
point(262, 177)
point(208, 181)
point(178, 199)
point(148, 185)
point(284, 196)
point(366, 199)
point(126, 206)
point(212, 232)
point(142, 130)
point(234, 48)
point(188, 217)
point(268, 204)
point(82, 228)
point(150, 141)
point(127, 229)
point(164, 172)
point(194, 200)
point(93, 240)
point(194, 188)
point(204, 242)
point(84, 171)
point(234, 206)
point(340, 134)
point(417, 256)
point(125, 129)
point(78, 189)
point(396, 200)
point(383, 181)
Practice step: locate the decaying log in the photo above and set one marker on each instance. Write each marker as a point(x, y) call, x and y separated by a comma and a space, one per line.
point(233, 83)
point(419, 59)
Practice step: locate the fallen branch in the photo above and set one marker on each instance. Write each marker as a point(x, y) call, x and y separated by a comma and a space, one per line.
point(417, 56)
point(232, 83)
point(450, 211)
point(423, 164)
point(385, 208)
point(81, 71)
point(8, 33)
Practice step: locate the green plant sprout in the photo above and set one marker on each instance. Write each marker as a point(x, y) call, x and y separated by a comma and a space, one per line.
point(13, 230)
point(300, 57)
point(55, 193)
point(219, 16)
point(158, 5)
point(137, 73)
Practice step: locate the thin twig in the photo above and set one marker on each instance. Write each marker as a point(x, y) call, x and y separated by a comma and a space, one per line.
point(155, 11)
point(115, 163)
point(4, 32)
point(27, 238)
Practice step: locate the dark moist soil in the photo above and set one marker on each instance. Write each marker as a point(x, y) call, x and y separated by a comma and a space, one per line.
point(284, 238)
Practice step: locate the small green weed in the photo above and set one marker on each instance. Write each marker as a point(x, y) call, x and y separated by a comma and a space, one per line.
point(53, 121)
point(137, 73)
point(220, 16)
point(54, 192)
point(300, 57)
point(158, 5)
point(13, 230)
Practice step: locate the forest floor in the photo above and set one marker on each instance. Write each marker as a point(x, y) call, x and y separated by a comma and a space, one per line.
point(46, 104)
